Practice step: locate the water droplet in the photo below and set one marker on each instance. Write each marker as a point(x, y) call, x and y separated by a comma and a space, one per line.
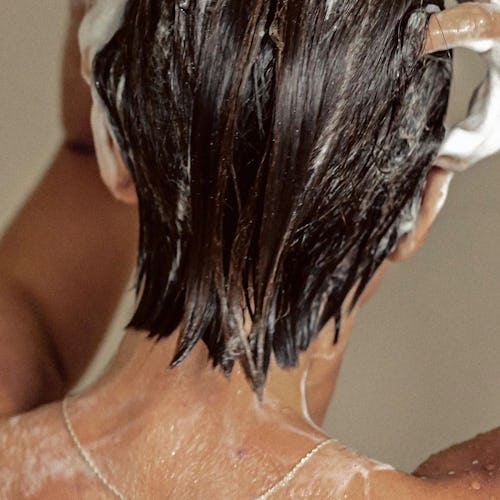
point(475, 462)
point(451, 473)
point(475, 485)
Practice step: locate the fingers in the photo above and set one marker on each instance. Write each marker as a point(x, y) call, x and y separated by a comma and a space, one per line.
point(477, 137)
point(475, 26)
point(469, 25)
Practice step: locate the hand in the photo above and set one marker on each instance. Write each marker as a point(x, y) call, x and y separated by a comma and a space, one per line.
point(474, 26)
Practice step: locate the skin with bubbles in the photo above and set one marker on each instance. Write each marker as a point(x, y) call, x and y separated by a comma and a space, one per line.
point(118, 410)
point(476, 27)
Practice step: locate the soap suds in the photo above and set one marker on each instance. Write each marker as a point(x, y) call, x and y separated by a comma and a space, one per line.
point(303, 400)
point(119, 91)
point(99, 25)
point(37, 457)
point(14, 421)
point(477, 137)
point(8, 480)
point(443, 194)
point(42, 466)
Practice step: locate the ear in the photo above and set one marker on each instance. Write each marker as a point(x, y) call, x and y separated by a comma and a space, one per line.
point(114, 173)
point(122, 186)
point(433, 200)
point(85, 65)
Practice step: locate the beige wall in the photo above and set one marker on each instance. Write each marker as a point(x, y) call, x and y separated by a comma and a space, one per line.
point(423, 366)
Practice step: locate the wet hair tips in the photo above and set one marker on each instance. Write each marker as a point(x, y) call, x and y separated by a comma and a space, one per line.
point(279, 149)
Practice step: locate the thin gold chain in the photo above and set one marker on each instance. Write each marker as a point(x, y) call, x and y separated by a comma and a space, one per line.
point(95, 469)
point(85, 455)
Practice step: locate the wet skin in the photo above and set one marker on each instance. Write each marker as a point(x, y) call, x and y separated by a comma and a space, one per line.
point(192, 433)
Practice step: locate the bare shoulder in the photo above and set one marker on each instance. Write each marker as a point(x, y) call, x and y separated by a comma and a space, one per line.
point(473, 464)
point(37, 461)
point(337, 472)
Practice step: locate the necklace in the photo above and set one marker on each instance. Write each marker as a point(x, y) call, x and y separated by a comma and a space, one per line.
point(116, 492)
point(85, 455)
point(293, 471)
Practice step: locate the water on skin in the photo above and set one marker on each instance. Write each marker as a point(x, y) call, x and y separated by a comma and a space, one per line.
point(28, 474)
point(476, 485)
point(338, 479)
point(359, 467)
point(97, 29)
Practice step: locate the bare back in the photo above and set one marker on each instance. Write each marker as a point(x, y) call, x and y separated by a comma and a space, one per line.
point(38, 460)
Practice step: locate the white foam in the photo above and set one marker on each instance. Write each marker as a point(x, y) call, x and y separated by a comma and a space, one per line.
point(39, 457)
point(303, 401)
point(119, 91)
point(329, 7)
point(443, 194)
point(478, 136)
point(13, 421)
point(99, 25)
point(8, 479)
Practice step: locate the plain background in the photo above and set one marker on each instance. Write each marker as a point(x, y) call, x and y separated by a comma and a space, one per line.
point(423, 367)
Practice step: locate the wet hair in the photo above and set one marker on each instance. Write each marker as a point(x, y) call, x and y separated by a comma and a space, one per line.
point(279, 149)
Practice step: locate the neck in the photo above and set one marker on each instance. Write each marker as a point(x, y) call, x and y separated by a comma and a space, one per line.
point(193, 414)
point(139, 373)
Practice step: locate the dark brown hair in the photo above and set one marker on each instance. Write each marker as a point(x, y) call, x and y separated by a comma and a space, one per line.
point(279, 149)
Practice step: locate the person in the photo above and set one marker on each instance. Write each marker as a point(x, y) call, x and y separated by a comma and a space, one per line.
point(250, 429)
point(39, 361)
